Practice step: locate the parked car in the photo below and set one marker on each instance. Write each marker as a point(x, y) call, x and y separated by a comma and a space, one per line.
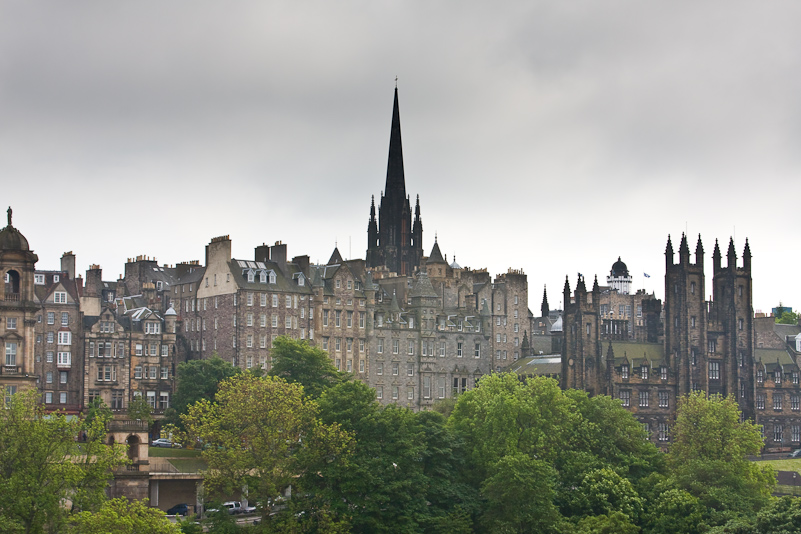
point(234, 507)
point(164, 442)
point(795, 454)
point(248, 510)
point(179, 509)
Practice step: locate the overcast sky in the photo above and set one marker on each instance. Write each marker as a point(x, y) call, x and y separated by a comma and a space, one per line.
point(548, 136)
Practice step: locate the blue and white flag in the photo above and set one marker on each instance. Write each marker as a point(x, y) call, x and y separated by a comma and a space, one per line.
point(646, 275)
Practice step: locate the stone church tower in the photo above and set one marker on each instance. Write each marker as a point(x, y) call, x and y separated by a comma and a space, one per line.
point(392, 241)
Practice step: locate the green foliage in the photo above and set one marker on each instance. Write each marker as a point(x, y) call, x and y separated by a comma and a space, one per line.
point(519, 494)
point(614, 523)
point(122, 516)
point(708, 457)
point(406, 473)
point(42, 466)
point(675, 511)
point(788, 317)
point(585, 456)
point(97, 409)
point(298, 362)
point(261, 433)
point(139, 409)
point(782, 515)
point(196, 380)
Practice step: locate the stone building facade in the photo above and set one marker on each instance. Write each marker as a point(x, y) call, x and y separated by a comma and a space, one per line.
point(708, 346)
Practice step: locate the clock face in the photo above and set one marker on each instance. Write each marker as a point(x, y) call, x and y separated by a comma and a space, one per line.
point(570, 362)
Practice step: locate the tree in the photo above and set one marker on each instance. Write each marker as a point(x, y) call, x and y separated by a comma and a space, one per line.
point(262, 433)
point(42, 466)
point(382, 486)
point(298, 362)
point(97, 409)
point(139, 409)
point(519, 495)
point(123, 517)
point(708, 457)
point(675, 512)
point(788, 317)
point(196, 380)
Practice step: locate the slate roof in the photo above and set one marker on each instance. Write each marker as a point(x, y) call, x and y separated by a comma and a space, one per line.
point(638, 353)
point(537, 365)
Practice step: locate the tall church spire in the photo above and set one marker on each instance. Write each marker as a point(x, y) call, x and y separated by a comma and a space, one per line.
point(396, 182)
point(396, 245)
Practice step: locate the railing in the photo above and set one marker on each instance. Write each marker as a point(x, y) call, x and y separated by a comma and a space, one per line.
point(12, 296)
point(10, 370)
point(127, 425)
point(160, 465)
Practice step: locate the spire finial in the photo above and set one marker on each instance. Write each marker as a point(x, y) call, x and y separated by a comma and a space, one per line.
point(435, 237)
point(396, 82)
point(9, 215)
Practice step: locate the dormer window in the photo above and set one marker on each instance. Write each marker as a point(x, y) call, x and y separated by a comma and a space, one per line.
point(39, 279)
point(624, 371)
point(55, 278)
point(152, 327)
point(263, 277)
point(759, 376)
point(251, 276)
point(159, 285)
point(644, 372)
point(272, 277)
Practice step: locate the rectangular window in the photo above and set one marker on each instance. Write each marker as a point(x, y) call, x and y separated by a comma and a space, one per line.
point(349, 344)
point(50, 337)
point(51, 318)
point(11, 353)
point(350, 319)
point(379, 369)
point(644, 372)
point(777, 432)
point(338, 318)
point(643, 399)
point(62, 397)
point(625, 397)
point(410, 349)
point(379, 392)
point(361, 319)
point(795, 431)
point(11, 323)
point(714, 370)
point(338, 344)
point(395, 368)
point(64, 358)
point(760, 376)
point(60, 297)
point(64, 338)
point(795, 403)
point(712, 346)
point(410, 393)
point(49, 397)
point(165, 373)
point(395, 346)
point(663, 371)
point(263, 299)
point(49, 377)
point(777, 401)
point(760, 401)
point(477, 350)
point(249, 319)
point(664, 399)
point(164, 400)
point(49, 356)
point(662, 432)
point(777, 376)
point(459, 349)
point(624, 371)
point(409, 369)
point(380, 346)
point(395, 392)
point(361, 366)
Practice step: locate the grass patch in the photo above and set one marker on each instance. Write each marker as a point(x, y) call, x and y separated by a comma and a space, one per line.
point(189, 465)
point(789, 464)
point(164, 452)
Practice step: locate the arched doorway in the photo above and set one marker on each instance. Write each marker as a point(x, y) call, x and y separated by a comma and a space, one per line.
point(133, 452)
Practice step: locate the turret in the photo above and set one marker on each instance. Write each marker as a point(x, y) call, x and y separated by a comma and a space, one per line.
point(669, 252)
point(544, 309)
point(684, 251)
point(716, 257)
point(372, 226)
point(566, 292)
point(731, 255)
point(417, 230)
point(699, 252)
point(747, 256)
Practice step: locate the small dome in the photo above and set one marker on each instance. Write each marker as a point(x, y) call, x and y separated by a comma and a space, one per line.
point(170, 311)
point(12, 239)
point(619, 269)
